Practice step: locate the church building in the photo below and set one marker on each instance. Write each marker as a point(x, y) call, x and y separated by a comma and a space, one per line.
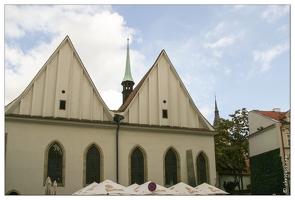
point(60, 127)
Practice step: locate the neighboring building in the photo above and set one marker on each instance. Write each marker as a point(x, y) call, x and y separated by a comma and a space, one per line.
point(269, 150)
point(60, 127)
point(225, 176)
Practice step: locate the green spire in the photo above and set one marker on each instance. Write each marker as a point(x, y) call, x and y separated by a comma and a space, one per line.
point(128, 76)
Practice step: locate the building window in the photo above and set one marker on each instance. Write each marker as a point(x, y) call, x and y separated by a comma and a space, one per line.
point(92, 165)
point(55, 163)
point(170, 168)
point(165, 113)
point(62, 104)
point(288, 139)
point(137, 167)
point(201, 169)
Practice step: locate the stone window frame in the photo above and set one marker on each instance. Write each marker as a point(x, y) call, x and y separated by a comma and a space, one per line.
point(178, 165)
point(207, 167)
point(101, 162)
point(145, 163)
point(62, 184)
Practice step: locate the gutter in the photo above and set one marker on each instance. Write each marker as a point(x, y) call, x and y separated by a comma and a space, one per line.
point(117, 119)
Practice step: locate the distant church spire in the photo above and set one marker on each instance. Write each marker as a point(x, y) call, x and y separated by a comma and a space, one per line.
point(127, 82)
point(216, 116)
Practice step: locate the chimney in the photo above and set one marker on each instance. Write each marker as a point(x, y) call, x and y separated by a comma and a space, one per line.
point(276, 110)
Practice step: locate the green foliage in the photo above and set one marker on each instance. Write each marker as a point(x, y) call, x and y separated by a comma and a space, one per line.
point(229, 186)
point(267, 174)
point(231, 143)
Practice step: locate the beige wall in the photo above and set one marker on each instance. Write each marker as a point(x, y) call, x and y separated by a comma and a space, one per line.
point(156, 143)
point(26, 144)
point(256, 121)
point(266, 140)
point(28, 139)
point(161, 90)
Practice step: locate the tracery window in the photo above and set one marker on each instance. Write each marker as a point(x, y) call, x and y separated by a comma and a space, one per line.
point(201, 169)
point(92, 165)
point(170, 168)
point(137, 167)
point(55, 159)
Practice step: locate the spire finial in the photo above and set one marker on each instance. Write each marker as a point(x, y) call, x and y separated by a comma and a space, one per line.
point(127, 82)
point(216, 115)
point(216, 109)
point(128, 76)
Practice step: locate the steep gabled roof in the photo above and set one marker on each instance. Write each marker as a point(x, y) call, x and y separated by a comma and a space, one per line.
point(62, 78)
point(162, 89)
point(134, 92)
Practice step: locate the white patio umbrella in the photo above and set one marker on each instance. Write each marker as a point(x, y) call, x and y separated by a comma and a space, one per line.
point(106, 187)
point(88, 188)
point(132, 188)
point(185, 189)
point(160, 190)
point(209, 189)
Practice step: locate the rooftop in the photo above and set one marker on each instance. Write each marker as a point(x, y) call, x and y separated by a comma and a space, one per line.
point(276, 115)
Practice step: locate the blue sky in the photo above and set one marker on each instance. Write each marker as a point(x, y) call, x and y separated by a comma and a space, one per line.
point(240, 53)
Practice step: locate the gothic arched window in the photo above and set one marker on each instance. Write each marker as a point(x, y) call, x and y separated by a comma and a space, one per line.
point(201, 169)
point(170, 168)
point(137, 167)
point(92, 165)
point(55, 163)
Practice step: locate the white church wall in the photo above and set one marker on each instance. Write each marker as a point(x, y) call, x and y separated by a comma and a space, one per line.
point(26, 144)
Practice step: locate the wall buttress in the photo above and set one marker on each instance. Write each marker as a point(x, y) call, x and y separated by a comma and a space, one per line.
point(56, 102)
point(45, 92)
point(70, 86)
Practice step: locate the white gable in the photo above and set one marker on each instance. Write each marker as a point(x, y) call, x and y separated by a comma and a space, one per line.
point(162, 89)
point(63, 78)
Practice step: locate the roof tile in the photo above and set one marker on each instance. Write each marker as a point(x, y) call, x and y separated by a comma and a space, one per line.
point(279, 116)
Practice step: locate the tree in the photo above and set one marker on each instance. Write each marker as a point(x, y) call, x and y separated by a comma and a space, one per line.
point(231, 145)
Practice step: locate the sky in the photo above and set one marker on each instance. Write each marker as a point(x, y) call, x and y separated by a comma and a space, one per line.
point(238, 53)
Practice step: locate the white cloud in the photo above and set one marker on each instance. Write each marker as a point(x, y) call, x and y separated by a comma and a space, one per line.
point(274, 12)
point(227, 71)
point(111, 98)
point(222, 42)
point(264, 57)
point(244, 9)
point(207, 111)
point(98, 35)
point(283, 28)
point(217, 31)
point(237, 7)
point(217, 54)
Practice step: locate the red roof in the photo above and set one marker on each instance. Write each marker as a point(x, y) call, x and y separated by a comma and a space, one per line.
point(279, 116)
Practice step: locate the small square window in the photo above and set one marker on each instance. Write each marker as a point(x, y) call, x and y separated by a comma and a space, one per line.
point(62, 104)
point(288, 139)
point(165, 113)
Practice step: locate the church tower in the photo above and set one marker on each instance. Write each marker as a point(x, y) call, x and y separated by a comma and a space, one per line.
point(127, 82)
point(216, 116)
